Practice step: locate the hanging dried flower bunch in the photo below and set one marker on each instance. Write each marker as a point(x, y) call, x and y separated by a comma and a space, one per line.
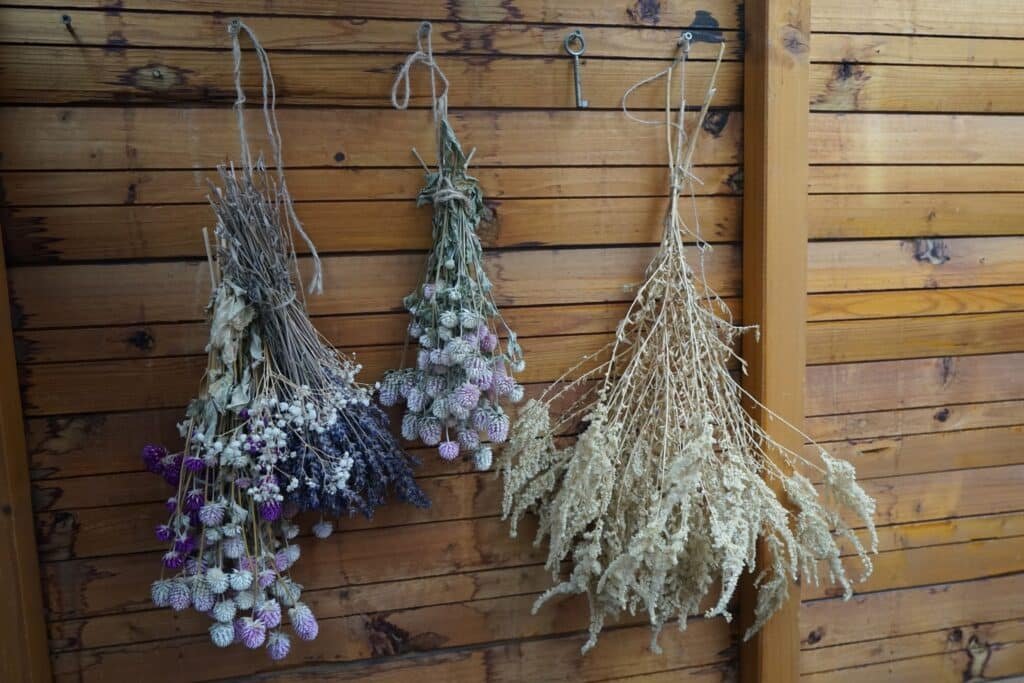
point(280, 426)
point(452, 397)
point(664, 494)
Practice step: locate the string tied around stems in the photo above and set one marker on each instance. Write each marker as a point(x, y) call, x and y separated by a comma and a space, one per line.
point(269, 97)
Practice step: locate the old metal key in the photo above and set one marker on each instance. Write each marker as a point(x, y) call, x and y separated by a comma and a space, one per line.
point(575, 46)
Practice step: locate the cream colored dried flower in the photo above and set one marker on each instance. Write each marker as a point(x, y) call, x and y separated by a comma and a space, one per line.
point(666, 493)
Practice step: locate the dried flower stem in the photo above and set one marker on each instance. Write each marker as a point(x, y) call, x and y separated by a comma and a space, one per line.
point(664, 494)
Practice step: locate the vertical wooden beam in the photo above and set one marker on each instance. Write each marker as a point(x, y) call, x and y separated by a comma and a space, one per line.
point(24, 654)
point(775, 269)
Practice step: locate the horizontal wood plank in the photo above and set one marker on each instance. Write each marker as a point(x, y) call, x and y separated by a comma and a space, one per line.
point(875, 178)
point(52, 296)
point(825, 623)
point(915, 302)
point(50, 235)
point(326, 33)
point(914, 139)
point(898, 88)
point(953, 667)
point(624, 12)
point(114, 188)
point(837, 216)
point(81, 75)
point(862, 48)
point(138, 138)
point(894, 423)
point(1003, 18)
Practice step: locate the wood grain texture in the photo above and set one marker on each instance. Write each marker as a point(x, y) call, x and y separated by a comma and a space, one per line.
point(916, 50)
point(327, 33)
point(621, 12)
point(56, 75)
point(1003, 18)
point(136, 138)
point(23, 646)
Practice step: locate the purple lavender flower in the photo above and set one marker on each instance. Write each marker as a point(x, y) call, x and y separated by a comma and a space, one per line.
point(252, 632)
point(278, 645)
point(448, 450)
point(303, 622)
point(269, 613)
point(174, 560)
point(270, 510)
point(163, 532)
point(194, 500)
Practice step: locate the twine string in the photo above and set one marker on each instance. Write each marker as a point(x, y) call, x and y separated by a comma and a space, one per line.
point(269, 108)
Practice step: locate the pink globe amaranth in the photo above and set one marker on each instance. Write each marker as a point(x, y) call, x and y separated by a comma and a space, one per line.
point(467, 395)
point(448, 450)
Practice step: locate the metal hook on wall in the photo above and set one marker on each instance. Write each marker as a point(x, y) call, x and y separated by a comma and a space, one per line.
point(576, 46)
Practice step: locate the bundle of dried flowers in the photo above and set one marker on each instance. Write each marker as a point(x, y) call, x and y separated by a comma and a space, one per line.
point(281, 424)
point(453, 395)
point(664, 495)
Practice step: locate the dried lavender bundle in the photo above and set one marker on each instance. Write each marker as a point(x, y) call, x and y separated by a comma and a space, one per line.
point(280, 426)
point(666, 492)
point(453, 396)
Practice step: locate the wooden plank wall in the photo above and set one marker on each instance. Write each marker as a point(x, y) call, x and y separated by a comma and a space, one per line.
point(110, 122)
point(916, 307)
point(917, 113)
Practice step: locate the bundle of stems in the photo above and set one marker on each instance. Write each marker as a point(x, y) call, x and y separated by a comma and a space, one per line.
point(666, 493)
point(281, 424)
point(453, 394)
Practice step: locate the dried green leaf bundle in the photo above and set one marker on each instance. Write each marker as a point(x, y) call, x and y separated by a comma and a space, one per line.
point(664, 494)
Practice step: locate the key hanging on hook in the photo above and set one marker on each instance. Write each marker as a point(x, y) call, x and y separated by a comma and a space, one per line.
point(575, 46)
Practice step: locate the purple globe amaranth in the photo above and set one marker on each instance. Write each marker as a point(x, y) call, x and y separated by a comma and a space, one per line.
point(194, 500)
point(270, 510)
point(278, 645)
point(152, 456)
point(467, 395)
point(173, 559)
point(194, 464)
point(448, 450)
point(171, 504)
point(269, 613)
point(303, 622)
point(163, 532)
point(211, 514)
point(251, 632)
point(180, 596)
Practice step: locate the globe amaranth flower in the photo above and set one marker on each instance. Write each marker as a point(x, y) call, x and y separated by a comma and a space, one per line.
point(217, 580)
point(240, 579)
point(203, 598)
point(449, 450)
point(212, 514)
point(222, 634)
point(163, 532)
point(278, 645)
point(323, 529)
point(233, 547)
point(483, 458)
point(173, 559)
point(251, 632)
point(180, 596)
point(225, 611)
point(303, 622)
point(269, 613)
point(160, 592)
point(270, 510)
point(245, 600)
point(194, 500)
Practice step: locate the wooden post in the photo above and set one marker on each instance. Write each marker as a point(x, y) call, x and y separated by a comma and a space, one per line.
point(24, 653)
point(775, 269)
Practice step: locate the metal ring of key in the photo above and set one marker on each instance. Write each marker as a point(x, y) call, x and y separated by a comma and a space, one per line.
point(576, 38)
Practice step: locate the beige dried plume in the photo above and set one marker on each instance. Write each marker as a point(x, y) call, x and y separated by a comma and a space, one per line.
point(665, 494)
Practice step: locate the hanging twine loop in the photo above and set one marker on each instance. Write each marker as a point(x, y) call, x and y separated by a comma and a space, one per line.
point(444, 190)
point(269, 94)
